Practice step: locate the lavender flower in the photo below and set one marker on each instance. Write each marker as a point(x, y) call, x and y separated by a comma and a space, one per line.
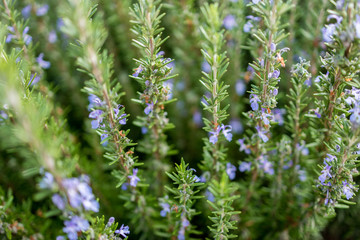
point(47, 182)
point(97, 115)
point(357, 26)
point(245, 166)
point(205, 66)
point(355, 116)
point(133, 178)
point(149, 108)
point(240, 87)
point(231, 171)
point(209, 196)
point(236, 125)
point(137, 71)
point(74, 225)
point(347, 190)
point(243, 147)
point(248, 26)
point(279, 115)
point(26, 11)
point(110, 222)
point(266, 166)
point(52, 38)
point(165, 209)
point(26, 37)
point(123, 230)
point(214, 135)
point(229, 22)
point(43, 64)
point(42, 10)
point(58, 201)
point(226, 130)
point(262, 133)
point(328, 31)
point(254, 100)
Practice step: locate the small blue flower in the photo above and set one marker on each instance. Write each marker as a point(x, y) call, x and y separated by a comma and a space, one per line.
point(279, 115)
point(266, 166)
point(357, 26)
point(110, 222)
point(248, 26)
point(205, 66)
point(226, 130)
point(47, 182)
point(236, 125)
point(243, 146)
point(137, 71)
point(43, 64)
point(209, 196)
point(254, 100)
point(133, 178)
point(328, 31)
point(231, 171)
point(197, 118)
point(165, 209)
point(97, 115)
point(245, 166)
point(240, 87)
point(58, 201)
point(149, 108)
point(229, 22)
point(262, 133)
point(26, 11)
point(355, 116)
point(52, 38)
point(74, 225)
point(347, 190)
point(214, 135)
point(42, 10)
point(123, 230)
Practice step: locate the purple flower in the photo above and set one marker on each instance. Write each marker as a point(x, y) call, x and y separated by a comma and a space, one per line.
point(308, 82)
point(229, 22)
point(47, 182)
point(103, 137)
point(336, 17)
point(248, 26)
point(357, 26)
point(262, 133)
point(94, 101)
point(34, 79)
point(226, 129)
point(265, 117)
point(205, 66)
point(96, 114)
point(209, 196)
point(279, 115)
point(110, 222)
point(60, 238)
point(74, 225)
point(123, 230)
point(197, 118)
point(325, 174)
point(243, 146)
point(26, 11)
point(43, 64)
point(328, 199)
point(274, 74)
point(273, 47)
point(347, 190)
point(254, 100)
point(328, 31)
point(137, 71)
point(52, 38)
point(231, 171)
point(133, 178)
point(236, 125)
point(266, 166)
point(165, 209)
point(355, 116)
point(245, 166)
point(41, 11)
point(240, 87)
point(26, 37)
point(302, 149)
point(149, 108)
point(58, 201)
point(214, 135)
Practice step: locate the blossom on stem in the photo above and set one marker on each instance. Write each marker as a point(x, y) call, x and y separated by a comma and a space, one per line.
point(133, 178)
point(231, 171)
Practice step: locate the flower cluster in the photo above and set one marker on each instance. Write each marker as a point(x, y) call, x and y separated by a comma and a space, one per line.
point(74, 199)
point(225, 129)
